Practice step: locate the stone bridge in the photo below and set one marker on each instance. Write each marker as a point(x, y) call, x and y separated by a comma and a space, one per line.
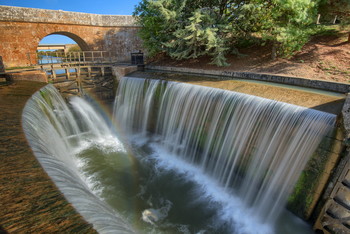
point(23, 28)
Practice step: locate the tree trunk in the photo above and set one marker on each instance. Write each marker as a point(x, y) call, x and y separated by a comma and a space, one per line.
point(274, 50)
point(318, 19)
point(349, 38)
point(335, 19)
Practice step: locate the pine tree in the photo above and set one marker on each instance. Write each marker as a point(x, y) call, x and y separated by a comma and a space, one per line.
point(185, 29)
point(200, 37)
point(281, 22)
point(193, 28)
point(158, 20)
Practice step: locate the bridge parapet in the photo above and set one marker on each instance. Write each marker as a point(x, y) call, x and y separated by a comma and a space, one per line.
point(22, 14)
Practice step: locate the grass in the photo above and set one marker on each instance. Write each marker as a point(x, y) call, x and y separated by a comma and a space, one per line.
point(329, 30)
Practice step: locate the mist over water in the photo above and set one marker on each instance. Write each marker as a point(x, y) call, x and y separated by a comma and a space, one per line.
point(183, 159)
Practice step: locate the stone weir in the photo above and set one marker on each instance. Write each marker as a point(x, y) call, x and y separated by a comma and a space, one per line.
point(322, 194)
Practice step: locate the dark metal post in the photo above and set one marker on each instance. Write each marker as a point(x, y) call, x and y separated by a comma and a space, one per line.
point(137, 59)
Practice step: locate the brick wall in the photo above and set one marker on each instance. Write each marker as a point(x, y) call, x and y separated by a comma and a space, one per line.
point(23, 28)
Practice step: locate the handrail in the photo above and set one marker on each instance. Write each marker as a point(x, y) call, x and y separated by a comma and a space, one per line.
point(79, 57)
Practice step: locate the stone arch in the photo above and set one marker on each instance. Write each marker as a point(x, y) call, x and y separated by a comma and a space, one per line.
point(81, 43)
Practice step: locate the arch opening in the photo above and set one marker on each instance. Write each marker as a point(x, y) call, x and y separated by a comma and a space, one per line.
point(64, 38)
point(58, 46)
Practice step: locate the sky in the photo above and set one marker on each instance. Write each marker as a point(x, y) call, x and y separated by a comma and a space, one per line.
point(105, 7)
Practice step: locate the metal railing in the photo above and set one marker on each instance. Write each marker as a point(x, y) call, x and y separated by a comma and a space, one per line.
point(81, 57)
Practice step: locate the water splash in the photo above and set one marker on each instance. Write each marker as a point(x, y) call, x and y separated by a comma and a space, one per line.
point(153, 216)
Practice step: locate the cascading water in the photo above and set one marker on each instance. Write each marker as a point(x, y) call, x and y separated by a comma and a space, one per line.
point(204, 160)
point(55, 135)
point(253, 148)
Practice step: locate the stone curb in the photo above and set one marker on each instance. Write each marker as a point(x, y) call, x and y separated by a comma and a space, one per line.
point(226, 74)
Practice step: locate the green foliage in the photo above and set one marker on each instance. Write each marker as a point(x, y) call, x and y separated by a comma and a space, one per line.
point(75, 48)
point(283, 22)
point(192, 28)
point(184, 29)
point(55, 53)
point(291, 39)
point(159, 19)
point(200, 37)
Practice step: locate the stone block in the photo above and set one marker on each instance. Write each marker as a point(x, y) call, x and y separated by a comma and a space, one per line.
point(120, 71)
point(37, 76)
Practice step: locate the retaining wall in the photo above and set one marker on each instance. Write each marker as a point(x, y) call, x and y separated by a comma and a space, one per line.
point(303, 82)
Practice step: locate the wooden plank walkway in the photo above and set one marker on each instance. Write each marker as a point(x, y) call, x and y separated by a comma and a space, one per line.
point(29, 201)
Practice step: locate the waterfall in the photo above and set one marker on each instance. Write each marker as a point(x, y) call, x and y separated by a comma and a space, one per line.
point(253, 148)
point(227, 159)
point(55, 134)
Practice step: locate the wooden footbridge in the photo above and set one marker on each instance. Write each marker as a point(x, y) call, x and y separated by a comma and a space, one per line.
point(78, 80)
point(79, 73)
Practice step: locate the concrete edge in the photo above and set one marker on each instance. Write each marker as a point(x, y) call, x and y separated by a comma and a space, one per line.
point(227, 74)
point(346, 118)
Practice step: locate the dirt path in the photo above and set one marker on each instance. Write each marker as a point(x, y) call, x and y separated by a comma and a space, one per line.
point(30, 202)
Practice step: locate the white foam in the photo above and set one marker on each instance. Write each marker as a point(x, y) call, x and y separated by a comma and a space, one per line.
point(240, 218)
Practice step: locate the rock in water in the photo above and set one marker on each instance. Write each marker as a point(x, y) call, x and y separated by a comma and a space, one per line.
point(150, 216)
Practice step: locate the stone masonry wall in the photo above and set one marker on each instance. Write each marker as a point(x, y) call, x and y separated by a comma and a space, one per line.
point(22, 14)
point(23, 28)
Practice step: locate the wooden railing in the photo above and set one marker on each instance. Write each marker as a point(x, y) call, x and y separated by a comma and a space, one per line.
point(81, 57)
